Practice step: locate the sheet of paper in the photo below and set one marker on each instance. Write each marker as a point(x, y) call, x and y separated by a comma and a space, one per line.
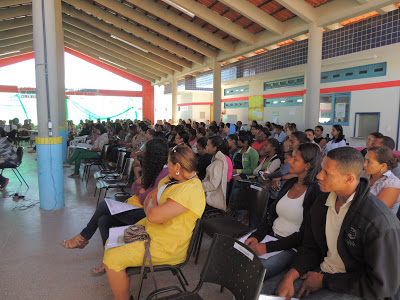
point(268, 297)
point(117, 207)
point(83, 146)
point(266, 239)
point(116, 237)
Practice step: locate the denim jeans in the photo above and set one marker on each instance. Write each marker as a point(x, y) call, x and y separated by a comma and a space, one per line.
point(278, 263)
point(103, 220)
point(272, 284)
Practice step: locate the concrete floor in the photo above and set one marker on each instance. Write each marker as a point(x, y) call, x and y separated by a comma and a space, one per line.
point(35, 266)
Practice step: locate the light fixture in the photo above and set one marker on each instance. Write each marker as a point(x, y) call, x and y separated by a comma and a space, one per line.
point(335, 26)
point(178, 7)
point(128, 43)
point(10, 52)
point(272, 47)
point(110, 62)
point(301, 37)
point(389, 8)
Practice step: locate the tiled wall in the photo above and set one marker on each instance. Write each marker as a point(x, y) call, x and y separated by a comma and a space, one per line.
point(368, 34)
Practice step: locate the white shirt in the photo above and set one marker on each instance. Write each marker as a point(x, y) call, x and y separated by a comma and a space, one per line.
point(388, 180)
point(332, 262)
point(290, 215)
point(332, 145)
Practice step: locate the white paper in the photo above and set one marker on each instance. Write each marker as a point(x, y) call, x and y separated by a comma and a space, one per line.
point(254, 187)
point(117, 207)
point(268, 238)
point(244, 251)
point(268, 297)
point(116, 237)
point(83, 146)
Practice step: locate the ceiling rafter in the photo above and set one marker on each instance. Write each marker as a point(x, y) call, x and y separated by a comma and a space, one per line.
point(17, 11)
point(15, 32)
point(16, 40)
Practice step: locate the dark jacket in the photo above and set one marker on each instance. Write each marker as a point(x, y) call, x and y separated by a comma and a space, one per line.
point(265, 227)
point(368, 243)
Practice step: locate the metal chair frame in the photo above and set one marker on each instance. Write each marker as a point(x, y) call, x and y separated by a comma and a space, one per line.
point(14, 168)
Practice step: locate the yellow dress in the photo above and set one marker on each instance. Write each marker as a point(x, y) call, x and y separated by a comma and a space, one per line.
point(170, 240)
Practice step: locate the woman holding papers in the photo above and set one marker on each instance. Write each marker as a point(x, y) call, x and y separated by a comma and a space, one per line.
point(283, 225)
point(154, 169)
point(171, 215)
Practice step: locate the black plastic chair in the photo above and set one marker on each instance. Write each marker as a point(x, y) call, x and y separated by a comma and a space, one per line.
point(14, 167)
point(175, 269)
point(89, 162)
point(256, 200)
point(230, 264)
point(112, 172)
point(115, 183)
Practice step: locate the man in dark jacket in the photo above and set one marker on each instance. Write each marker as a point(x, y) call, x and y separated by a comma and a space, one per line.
point(351, 243)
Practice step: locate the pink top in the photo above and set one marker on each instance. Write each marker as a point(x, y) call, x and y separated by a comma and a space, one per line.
point(230, 168)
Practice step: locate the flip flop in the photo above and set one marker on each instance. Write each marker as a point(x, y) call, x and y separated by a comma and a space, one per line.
point(100, 270)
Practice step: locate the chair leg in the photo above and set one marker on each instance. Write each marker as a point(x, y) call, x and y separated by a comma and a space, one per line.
point(199, 246)
point(105, 194)
point(17, 176)
point(176, 273)
point(98, 198)
point(183, 276)
point(95, 190)
point(22, 178)
point(221, 289)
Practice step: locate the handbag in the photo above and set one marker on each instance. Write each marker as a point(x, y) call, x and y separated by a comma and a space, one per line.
point(136, 233)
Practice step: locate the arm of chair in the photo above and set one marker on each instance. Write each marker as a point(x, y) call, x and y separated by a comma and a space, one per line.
point(163, 290)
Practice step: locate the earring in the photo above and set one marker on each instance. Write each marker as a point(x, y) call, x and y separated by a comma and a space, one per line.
point(177, 173)
point(381, 171)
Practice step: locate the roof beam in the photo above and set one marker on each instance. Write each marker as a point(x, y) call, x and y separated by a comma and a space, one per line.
point(106, 54)
point(123, 24)
point(6, 34)
point(17, 47)
point(176, 62)
point(300, 8)
point(111, 60)
point(13, 12)
point(148, 58)
point(16, 40)
point(15, 23)
point(180, 22)
point(5, 3)
point(217, 20)
point(255, 14)
point(20, 52)
point(125, 10)
point(98, 44)
point(340, 10)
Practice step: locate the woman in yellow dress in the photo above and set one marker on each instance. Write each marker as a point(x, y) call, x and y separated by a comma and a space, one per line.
point(171, 214)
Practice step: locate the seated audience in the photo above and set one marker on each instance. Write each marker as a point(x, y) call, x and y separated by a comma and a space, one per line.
point(286, 215)
point(179, 206)
point(93, 152)
point(182, 137)
point(351, 240)
point(154, 170)
point(262, 136)
point(319, 139)
point(8, 157)
point(337, 139)
point(203, 158)
point(387, 141)
point(271, 162)
point(280, 134)
point(379, 162)
point(245, 160)
point(310, 135)
point(232, 143)
point(370, 142)
point(218, 173)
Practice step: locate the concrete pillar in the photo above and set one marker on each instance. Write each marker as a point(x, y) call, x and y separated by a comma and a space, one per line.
point(217, 92)
point(313, 76)
point(47, 25)
point(174, 100)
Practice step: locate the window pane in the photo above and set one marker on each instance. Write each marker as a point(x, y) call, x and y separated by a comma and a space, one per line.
point(342, 109)
point(325, 109)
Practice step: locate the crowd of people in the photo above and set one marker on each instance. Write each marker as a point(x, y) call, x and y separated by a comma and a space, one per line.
point(331, 211)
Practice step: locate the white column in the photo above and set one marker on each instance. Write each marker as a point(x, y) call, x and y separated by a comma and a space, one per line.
point(313, 76)
point(49, 48)
point(217, 91)
point(174, 100)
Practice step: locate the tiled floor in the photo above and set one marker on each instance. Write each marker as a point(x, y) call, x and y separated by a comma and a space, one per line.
point(35, 266)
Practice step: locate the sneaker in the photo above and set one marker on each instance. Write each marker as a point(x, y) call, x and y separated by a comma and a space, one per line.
point(3, 187)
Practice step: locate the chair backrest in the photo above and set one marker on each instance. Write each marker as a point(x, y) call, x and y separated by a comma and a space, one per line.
point(120, 161)
point(253, 198)
point(128, 167)
point(20, 154)
point(193, 239)
point(104, 152)
point(235, 266)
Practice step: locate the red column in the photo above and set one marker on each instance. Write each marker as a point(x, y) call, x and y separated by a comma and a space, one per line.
point(148, 102)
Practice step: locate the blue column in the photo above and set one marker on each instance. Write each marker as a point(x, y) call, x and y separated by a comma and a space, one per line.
point(64, 134)
point(50, 172)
